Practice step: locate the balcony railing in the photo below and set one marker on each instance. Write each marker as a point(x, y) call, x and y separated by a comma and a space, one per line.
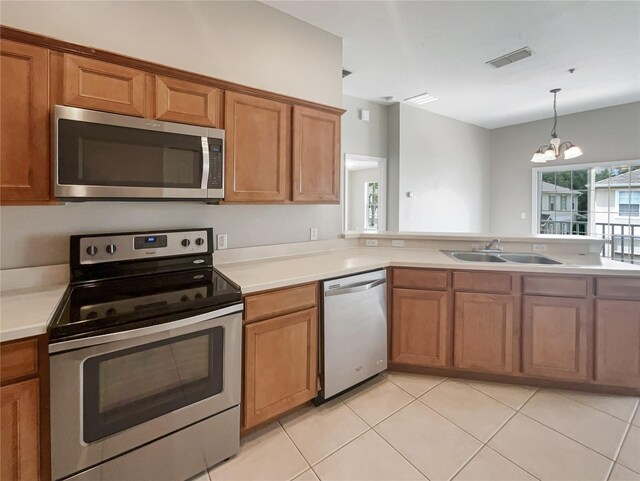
point(622, 241)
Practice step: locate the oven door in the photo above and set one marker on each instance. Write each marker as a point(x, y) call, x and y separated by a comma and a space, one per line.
point(130, 388)
point(108, 156)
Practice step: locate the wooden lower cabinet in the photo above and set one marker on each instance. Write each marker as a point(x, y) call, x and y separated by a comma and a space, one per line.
point(20, 431)
point(281, 365)
point(24, 418)
point(421, 329)
point(485, 332)
point(555, 337)
point(617, 356)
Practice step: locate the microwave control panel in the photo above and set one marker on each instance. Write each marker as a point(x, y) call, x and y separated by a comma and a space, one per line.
point(216, 164)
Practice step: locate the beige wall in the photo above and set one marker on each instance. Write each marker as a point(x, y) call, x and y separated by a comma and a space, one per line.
point(445, 163)
point(609, 134)
point(241, 41)
point(245, 42)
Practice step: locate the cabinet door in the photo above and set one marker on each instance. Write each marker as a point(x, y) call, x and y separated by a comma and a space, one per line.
point(20, 430)
point(316, 156)
point(555, 337)
point(24, 123)
point(485, 333)
point(281, 356)
point(97, 85)
point(188, 102)
point(257, 149)
point(420, 328)
point(618, 342)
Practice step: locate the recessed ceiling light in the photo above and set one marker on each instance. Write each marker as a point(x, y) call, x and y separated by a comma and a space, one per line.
point(424, 98)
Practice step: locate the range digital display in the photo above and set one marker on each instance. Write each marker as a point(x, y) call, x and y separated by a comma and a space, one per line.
point(149, 241)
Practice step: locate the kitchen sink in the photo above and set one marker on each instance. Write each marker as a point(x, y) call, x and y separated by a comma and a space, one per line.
point(470, 256)
point(513, 257)
point(527, 258)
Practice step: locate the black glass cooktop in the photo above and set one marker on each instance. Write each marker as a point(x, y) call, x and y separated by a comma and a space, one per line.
point(106, 306)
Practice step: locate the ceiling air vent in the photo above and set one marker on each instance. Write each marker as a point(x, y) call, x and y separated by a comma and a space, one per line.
point(345, 73)
point(510, 57)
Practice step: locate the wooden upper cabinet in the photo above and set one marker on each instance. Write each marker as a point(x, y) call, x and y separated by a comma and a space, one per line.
point(257, 149)
point(281, 365)
point(188, 102)
point(555, 337)
point(421, 329)
point(98, 85)
point(316, 156)
point(24, 123)
point(618, 343)
point(486, 333)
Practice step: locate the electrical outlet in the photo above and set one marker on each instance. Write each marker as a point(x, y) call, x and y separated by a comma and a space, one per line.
point(371, 242)
point(539, 247)
point(221, 241)
point(313, 233)
point(397, 243)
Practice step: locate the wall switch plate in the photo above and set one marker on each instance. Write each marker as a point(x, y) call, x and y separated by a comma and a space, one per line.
point(221, 241)
point(313, 233)
point(397, 243)
point(371, 242)
point(523, 215)
point(540, 247)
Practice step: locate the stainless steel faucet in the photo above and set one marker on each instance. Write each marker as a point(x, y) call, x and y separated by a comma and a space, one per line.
point(494, 245)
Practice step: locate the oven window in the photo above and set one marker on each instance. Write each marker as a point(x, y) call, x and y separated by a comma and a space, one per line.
point(107, 155)
point(125, 388)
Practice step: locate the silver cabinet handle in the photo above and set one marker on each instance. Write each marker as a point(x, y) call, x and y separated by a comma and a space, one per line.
point(355, 288)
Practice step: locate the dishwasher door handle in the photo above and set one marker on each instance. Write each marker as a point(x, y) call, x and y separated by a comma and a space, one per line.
point(355, 288)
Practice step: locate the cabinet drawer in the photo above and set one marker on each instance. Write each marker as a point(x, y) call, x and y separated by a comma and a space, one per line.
point(420, 279)
point(555, 286)
point(18, 359)
point(483, 281)
point(618, 287)
point(270, 304)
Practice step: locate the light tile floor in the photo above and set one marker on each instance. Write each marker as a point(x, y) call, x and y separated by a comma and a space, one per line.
point(406, 426)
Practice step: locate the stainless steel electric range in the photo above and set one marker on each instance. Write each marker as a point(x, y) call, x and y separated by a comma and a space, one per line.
point(145, 354)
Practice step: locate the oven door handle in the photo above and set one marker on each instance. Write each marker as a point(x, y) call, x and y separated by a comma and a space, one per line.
point(63, 346)
point(205, 163)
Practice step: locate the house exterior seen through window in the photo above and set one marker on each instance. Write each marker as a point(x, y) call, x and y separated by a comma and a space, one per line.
point(594, 200)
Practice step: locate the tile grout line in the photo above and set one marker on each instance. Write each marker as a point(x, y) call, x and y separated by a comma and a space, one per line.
point(624, 438)
point(535, 390)
point(297, 449)
point(568, 437)
point(597, 409)
point(339, 447)
point(421, 394)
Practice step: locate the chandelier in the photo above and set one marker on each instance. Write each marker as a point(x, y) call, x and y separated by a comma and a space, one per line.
point(554, 149)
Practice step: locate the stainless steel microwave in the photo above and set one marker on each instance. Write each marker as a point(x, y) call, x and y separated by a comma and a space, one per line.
point(101, 156)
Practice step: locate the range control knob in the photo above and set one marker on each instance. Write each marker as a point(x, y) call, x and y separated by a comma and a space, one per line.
point(111, 249)
point(92, 250)
point(185, 242)
point(199, 241)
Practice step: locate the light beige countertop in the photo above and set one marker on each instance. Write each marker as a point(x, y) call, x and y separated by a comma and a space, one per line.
point(28, 298)
point(26, 312)
point(262, 274)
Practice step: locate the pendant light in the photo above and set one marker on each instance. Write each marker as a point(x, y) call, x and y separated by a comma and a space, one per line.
point(555, 149)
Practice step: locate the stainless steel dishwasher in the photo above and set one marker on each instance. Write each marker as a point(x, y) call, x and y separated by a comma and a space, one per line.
point(354, 341)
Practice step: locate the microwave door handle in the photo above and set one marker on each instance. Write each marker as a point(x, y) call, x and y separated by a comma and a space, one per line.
point(205, 163)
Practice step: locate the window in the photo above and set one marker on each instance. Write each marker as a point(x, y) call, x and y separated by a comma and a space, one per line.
point(563, 202)
point(596, 200)
point(371, 205)
point(629, 203)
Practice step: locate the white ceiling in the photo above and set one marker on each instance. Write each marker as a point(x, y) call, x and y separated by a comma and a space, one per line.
point(405, 48)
